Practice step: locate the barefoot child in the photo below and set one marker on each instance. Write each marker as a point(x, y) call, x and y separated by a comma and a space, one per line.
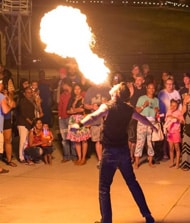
point(174, 119)
point(47, 147)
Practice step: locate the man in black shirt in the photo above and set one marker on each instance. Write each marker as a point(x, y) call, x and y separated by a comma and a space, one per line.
point(25, 115)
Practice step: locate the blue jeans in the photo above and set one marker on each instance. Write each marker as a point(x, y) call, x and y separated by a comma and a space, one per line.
point(33, 153)
point(69, 151)
point(112, 159)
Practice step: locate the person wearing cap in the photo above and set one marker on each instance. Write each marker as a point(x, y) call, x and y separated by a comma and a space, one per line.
point(116, 154)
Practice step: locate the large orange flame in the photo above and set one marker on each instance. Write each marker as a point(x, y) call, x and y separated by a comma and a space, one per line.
point(66, 33)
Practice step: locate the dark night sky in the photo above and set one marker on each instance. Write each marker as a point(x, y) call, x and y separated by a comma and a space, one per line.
point(118, 30)
point(38, 10)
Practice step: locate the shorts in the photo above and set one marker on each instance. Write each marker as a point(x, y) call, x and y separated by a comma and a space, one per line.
point(132, 131)
point(47, 150)
point(7, 124)
point(96, 133)
point(174, 137)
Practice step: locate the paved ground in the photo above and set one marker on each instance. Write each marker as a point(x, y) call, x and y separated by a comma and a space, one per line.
point(66, 193)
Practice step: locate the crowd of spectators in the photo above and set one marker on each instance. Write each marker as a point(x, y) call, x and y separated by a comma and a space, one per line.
point(27, 113)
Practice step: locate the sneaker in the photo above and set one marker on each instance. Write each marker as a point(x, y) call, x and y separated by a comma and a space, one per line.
point(150, 219)
point(98, 164)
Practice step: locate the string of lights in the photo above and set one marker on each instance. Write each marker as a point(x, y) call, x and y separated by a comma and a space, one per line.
point(155, 3)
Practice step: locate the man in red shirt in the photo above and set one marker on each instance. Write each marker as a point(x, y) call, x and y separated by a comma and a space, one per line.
point(69, 152)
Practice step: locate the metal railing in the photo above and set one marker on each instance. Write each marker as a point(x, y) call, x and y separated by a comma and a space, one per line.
point(16, 6)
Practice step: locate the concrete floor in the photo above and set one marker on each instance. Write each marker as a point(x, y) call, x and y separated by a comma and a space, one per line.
point(66, 193)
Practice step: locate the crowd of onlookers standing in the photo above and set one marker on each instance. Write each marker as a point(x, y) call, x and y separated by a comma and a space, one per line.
point(26, 112)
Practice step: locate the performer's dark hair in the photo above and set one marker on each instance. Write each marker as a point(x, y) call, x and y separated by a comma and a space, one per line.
point(123, 92)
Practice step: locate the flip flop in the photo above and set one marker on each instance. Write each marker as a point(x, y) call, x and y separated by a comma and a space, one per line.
point(185, 169)
point(29, 163)
point(4, 171)
point(11, 164)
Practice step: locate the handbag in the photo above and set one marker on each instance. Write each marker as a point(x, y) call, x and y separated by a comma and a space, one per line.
point(157, 135)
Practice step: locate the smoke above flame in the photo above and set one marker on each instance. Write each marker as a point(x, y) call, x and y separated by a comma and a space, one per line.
point(66, 33)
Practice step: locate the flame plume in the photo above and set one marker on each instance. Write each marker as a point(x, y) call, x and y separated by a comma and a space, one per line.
point(66, 33)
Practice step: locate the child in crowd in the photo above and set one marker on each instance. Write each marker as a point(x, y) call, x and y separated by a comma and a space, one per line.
point(172, 127)
point(37, 99)
point(47, 146)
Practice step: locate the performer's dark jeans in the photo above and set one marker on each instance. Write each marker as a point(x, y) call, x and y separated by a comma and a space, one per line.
point(112, 159)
